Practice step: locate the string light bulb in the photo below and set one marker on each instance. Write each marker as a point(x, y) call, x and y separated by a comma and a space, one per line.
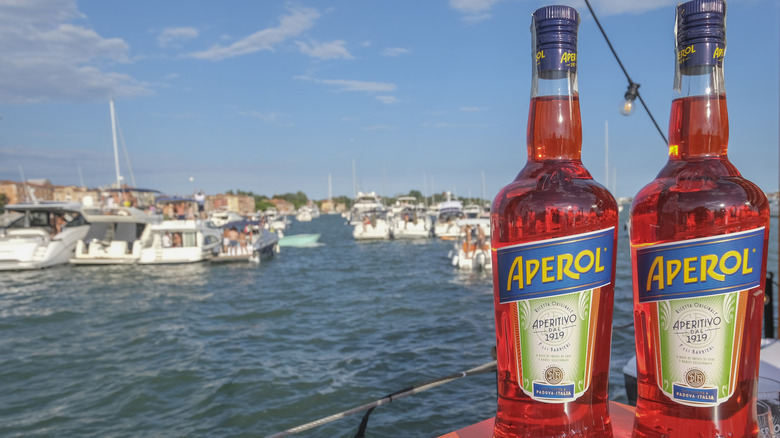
point(627, 106)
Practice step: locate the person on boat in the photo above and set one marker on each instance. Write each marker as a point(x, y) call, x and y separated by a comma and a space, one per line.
point(58, 223)
point(233, 244)
point(225, 240)
point(177, 240)
point(481, 240)
point(166, 240)
point(200, 198)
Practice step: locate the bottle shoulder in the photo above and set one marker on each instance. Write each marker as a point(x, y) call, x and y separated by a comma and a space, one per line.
point(693, 200)
point(551, 203)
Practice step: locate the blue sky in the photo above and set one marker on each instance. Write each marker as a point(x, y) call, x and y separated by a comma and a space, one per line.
point(274, 96)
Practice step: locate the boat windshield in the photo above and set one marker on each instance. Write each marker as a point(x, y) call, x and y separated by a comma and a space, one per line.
point(9, 219)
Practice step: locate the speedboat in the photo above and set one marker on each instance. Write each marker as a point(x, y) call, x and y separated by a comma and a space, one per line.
point(40, 235)
point(275, 221)
point(447, 220)
point(114, 235)
point(411, 223)
point(253, 243)
point(299, 240)
point(472, 249)
point(373, 225)
point(179, 241)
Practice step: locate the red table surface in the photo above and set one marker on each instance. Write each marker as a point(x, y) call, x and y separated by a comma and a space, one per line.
point(622, 417)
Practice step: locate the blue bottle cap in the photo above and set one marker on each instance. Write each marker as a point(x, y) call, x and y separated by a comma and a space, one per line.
point(555, 33)
point(701, 33)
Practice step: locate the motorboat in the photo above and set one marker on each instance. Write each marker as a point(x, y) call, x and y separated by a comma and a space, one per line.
point(472, 248)
point(364, 203)
point(447, 220)
point(40, 235)
point(472, 211)
point(180, 237)
point(412, 222)
point(275, 221)
point(222, 217)
point(372, 225)
point(300, 240)
point(179, 241)
point(304, 214)
point(252, 242)
point(114, 235)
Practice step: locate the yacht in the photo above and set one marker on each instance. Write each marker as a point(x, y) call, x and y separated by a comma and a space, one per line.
point(220, 218)
point(179, 241)
point(304, 214)
point(446, 220)
point(364, 202)
point(372, 225)
point(180, 237)
point(114, 235)
point(411, 222)
point(40, 235)
point(472, 248)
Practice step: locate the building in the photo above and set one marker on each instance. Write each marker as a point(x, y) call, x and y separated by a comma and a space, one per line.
point(241, 204)
point(283, 207)
point(75, 194)
point(17, 192)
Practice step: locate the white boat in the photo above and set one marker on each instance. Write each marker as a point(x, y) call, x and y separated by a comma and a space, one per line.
point(472, 249)
point(447, 220)
point(275, 221)
point(179, 241)
point(412, 222)
point(472, 211)
point(220, 218)
point(40, 235)
point(365, 202)
point(254, 243)
point(114, 235)
point(304, 214)
point(372, 225)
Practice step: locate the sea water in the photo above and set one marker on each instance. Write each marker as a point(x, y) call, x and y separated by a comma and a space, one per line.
point(251, 350)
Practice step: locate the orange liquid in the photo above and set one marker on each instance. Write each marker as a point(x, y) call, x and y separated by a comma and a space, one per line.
point(699, 193)
point(553, 196)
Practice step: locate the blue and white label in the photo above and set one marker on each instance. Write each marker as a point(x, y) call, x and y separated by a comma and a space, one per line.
point(700, 267)
point(554, 267)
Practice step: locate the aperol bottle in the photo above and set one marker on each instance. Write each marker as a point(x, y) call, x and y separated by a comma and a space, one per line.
point(698, 245)
point(554, 232)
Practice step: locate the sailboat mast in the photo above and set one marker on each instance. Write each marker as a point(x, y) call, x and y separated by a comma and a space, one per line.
point(116, 151)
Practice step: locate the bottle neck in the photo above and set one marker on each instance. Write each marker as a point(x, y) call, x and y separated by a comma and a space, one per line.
point(699, 123)
point(554, 122)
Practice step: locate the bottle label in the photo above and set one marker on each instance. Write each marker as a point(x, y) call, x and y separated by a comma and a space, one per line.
point(556, 58)
point(697, 291)
point(702, 53)
point(552, 286)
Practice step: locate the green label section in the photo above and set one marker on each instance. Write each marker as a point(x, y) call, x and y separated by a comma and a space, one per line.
point(696, 339)
point(554, 337)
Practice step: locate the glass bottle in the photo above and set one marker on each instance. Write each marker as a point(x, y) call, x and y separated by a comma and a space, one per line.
point(698, 248)
point(554, 233)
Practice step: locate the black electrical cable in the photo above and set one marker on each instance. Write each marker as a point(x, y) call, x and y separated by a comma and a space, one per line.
point(633, 87)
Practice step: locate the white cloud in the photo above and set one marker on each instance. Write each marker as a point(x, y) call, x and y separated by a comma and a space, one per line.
point(387, 99)
point(172, 36)
point(380, 128)
point(331, 50)
point(297, 21)
point(352, 85)
point(274, 119)
point(473, 10)
point(47, 58)
point(394, 51)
